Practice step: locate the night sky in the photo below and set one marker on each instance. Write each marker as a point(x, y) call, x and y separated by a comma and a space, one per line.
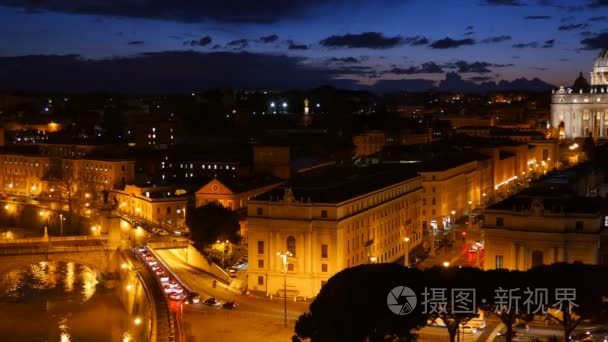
point(182, 45)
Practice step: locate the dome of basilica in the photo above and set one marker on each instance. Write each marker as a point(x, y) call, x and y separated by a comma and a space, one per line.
point(602, 60)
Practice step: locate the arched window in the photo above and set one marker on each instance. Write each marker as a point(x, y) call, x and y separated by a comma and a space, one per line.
point(291, 245)
point(537, 258)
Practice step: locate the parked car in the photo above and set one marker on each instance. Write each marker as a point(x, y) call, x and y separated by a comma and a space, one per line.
point(230, 305)
point(193, 298)
point(212, 302)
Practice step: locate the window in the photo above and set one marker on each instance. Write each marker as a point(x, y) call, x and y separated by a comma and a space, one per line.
point(323, 267)
point(500, 222)
point(290, 267)
point(260, 263)
point(260, 211)
point(499, 262)
point(545, 154)
point(260, 280)
point(433, 201)
point(324, 251)
point(323, 213)
point(579, 226)
point(606, 221)
point(291, 245)
point(260, 247)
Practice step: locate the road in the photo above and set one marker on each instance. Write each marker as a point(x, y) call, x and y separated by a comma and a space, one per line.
point(256, 319)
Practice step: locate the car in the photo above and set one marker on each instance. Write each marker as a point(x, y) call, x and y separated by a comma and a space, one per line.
point(167, 289)
point(232, 270)
point(230, 305)
point(212, 302)
point(177, 296)
point(193, 298)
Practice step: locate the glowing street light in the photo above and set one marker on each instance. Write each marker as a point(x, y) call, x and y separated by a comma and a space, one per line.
point(406, 261)
point(284, 262)
point(137, 321)
point(284, 104)
point(446, 264)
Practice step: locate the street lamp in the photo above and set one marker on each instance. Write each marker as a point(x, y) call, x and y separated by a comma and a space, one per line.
point(406, 262)
point(284, 262)
point(224, 245)
point(446, 264)
point(61, 218)
point(453, 212)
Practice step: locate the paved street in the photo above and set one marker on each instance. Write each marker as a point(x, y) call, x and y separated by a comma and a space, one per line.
point(256, 319)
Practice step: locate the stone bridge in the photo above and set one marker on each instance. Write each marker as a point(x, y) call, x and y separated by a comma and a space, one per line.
point(95, 252)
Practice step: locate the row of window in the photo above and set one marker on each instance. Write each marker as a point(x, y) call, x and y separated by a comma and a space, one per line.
point(291, 247)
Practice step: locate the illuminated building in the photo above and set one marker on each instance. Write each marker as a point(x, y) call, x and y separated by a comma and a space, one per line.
point(453, 188)
point(542, 226)
point(162, 205)
point(234, 193)
point(331, 219)
point(583, 111)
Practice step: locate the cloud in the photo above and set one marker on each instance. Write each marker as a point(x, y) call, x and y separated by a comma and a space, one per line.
point(537, 17)
point(474, 67)
point(481, 78)
point(496, 39)
point(548, 44)
point(449, 43)
point(235, 11)
point(598, 18)
point(454, 82)
point(238, 44)
point(135, 42)
point(598, 3)
point(525, 45)
point(600, 41)
point(425, 68)
point(367, 40)
point(540, 68)
point(165, 72)
point(415, 41)
point(503, 3)
point(469, 30)
point(291, 45)
point(351, 60)
point(572, 27)
point(204, 41)
point(269, 39)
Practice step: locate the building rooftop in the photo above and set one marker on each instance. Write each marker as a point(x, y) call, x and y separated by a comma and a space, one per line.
point(556, 201)
point(337, 184)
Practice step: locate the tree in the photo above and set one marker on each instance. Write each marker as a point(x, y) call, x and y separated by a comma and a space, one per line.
point(453, 304)
point(352, 306)
point(505, 289)
point(575, 291)
point(212, 222)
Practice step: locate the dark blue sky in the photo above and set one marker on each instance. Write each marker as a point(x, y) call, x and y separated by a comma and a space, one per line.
point(297, 43)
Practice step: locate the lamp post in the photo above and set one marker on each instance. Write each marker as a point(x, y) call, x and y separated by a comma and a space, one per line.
point(224, 245)
point(284, 256)
point(406, 262)
point(61, 224)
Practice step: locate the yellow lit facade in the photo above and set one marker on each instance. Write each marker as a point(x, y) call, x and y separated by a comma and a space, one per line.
point(325, 237)
point(22, 174)
point(159, 205)
point(526, 231)
point(453, 191)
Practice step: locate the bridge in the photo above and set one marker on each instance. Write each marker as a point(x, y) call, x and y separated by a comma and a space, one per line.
point(93, 251)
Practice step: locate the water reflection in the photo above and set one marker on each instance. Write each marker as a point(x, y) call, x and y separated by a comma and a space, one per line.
point(59, 301)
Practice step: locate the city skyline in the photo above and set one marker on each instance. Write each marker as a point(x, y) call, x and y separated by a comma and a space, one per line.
point(381, 46)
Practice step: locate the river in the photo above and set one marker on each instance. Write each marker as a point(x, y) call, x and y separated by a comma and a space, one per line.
point(60, 301)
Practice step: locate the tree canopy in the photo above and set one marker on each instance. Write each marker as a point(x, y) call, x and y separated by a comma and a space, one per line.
point(353, 305)
point(212, 222)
